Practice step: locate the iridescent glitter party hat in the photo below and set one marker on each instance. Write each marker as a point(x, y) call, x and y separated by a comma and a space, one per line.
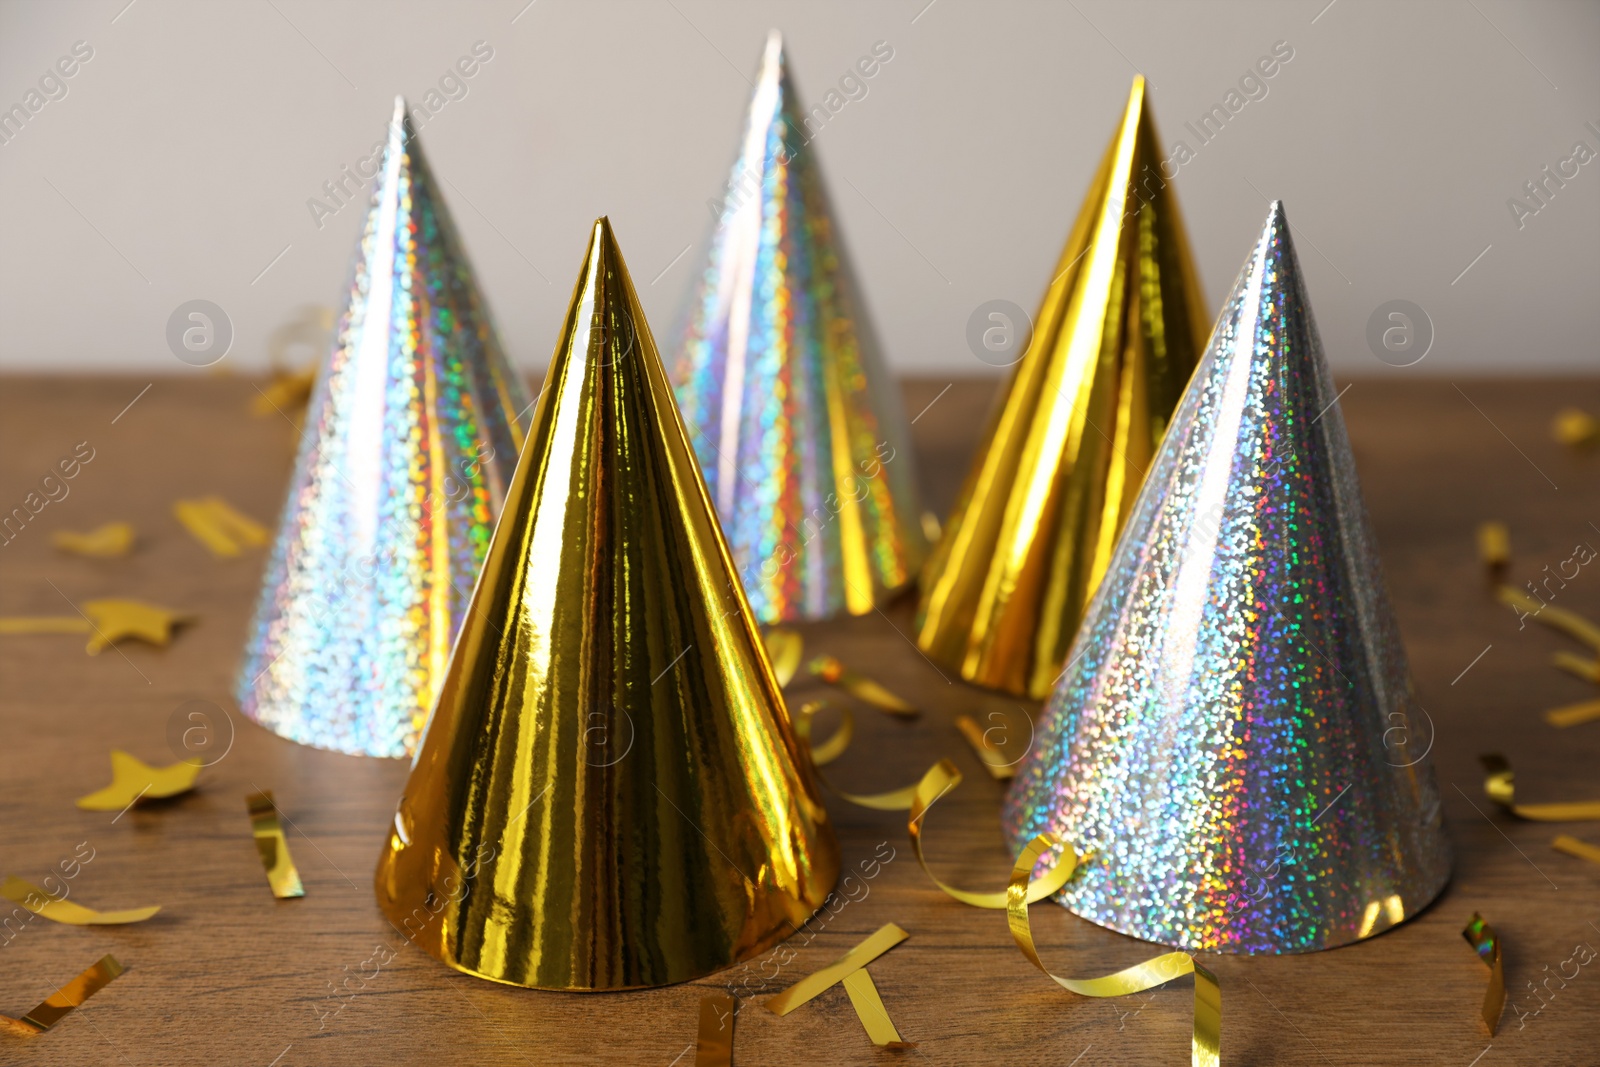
point(1235, 738)
point(608, 794)
point(409, 442)
point(1120, 329)
point(798, 426)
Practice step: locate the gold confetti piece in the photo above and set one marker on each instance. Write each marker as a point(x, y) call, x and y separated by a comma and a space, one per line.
point(1575, 427)
point(112, 539)
point(833, 672)
point(714, 1045)
point(810, 987)
point(785, 648)
point(1587, 669)
point(215, 524)
point(1573, 714)
point(993, 760)
point(1568, 622)
point(1572, 846)
point(1498, 785)
point(115, 619)
point(931, 527)
point(1494, 547)
point(894, 800)
point(43, 624)
point(874, 1016)
point(273, 847)
point(941, 778)
point(287, 392)
point(133, 780)
point(1206, 1044)
point(1486, 943)
point(60, 1004)
point(43, 904)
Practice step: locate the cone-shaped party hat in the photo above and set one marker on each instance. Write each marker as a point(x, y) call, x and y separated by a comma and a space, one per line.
point(1120, 329)
point(409, 442)
point(797, 424)
point(608, 794)
point(1235, 738)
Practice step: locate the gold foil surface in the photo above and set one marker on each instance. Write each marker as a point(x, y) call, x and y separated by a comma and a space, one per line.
point(133, 780)
point(851, 970)
point(64, 1001)
point(1119, 331)
point(46, 905)
point(608, 793)
point(273, 847)
point(714, 1041)
point(1499, 785)
point(1486, 943)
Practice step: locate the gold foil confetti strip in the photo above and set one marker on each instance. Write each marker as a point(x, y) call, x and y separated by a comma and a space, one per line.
point(785, 648)
point(44, 624)
point(1206, 1044)
point(1587, 669)
point(1486, 943)
point(57, 909)
point(1568, 622)
point(1575, 427)
point(273, 847)
point(941, 778)
point(714, 1045)
point(894, 800)
point(108, 541)
point(215, 524)
point(833, 672)
point(133, 780)
point(813, 985)
point(289, 391)
point(863, 992)
point(1572, 846)
point(1498, 785)
point(1494, 547)
point(60, 1004)
point(1573, 714)
point(993, 760)
point(107, 621)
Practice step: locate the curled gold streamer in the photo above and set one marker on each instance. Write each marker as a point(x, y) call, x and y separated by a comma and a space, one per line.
point(1568, 622)
point(714, 1043)
point(1587, 669)
point(830, 670)
point(60, 1004)
point(941, 778)
point(815, 984)
point(1572, 846)
point(273, 846)
point(105, 542)
point(1573, 714)
point(987, 754)
point(1486, 943)
point(133, 780)
point(1206, 1043)
point(833, 747)
point(863, 992)
point(43, 904)
point(894, 800)
point(1498, 785)
point(785, 648)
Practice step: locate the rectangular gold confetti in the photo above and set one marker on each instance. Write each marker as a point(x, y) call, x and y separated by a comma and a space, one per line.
point(273, 847)
point(813, 985)
point(62, 1002)
point(1573, 714)
point(714, 1044)
point(1574, 847)
point(1494, 546)
point(870, 1010)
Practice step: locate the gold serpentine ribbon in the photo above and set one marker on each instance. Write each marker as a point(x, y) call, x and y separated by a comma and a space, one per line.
point(1486, 943)
point(785, 648)
point(1580, 666)
point(993, 760)
point(850, 969)
point(282, 875)
point(1568, 622)
point(831, 749)
point(1206, 1043)
point(58, 909)
point(1498, 785)
point(830, 670)
point(1573, 714)
point(1572, 846)
point(62, 1002)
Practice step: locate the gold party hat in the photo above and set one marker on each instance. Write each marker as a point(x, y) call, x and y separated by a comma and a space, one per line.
point(608, 794)
point(1116, 338)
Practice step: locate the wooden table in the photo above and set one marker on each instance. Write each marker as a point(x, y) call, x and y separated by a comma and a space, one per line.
point(228, 975)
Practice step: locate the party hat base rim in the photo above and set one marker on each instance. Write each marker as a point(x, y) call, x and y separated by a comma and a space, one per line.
point(252, 717)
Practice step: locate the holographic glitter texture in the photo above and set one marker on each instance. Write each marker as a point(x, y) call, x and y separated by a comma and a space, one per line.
point(410, 441)
point(1234, 737)
point(796, 423)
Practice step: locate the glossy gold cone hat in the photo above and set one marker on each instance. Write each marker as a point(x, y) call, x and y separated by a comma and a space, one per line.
point(1235, 738)
point(409, 442)
point(608, 794)
point(1116, 338)
point(798, 424)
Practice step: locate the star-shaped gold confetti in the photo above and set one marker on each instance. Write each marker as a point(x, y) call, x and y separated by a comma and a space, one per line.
point(112, 539)
point(115, 619)
point(132, 779)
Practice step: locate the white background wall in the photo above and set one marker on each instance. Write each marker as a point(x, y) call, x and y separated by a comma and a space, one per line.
point(180, 162)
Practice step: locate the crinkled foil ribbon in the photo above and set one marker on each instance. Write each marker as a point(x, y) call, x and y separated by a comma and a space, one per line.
point(1486, 943)
point(851, 970)
point(1498, 785)
point(714, 1042)
point(861, 687)
point(60, 1004)
point(57, 909)
point(273, 846)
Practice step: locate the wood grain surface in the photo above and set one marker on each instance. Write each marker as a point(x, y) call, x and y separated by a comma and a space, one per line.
point(228, 975)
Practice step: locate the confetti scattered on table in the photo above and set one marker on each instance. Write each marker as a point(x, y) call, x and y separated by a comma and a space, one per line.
point(1568, 622)
point(714, 1044)
point(1573, 714)
point(107, 542)
point(1494, 548)
point(107, 621)
point(833, 747)
point(868, 1003)
point(830, 670)
point(1498, 786)
point(1582, 666)
point(217, 525)
point(1575, 427)
point(864, 998)
point(993, 760)
point(1572, 846)
point(58, 909)
point(785, 647)
point(60, 1004)
point(282, 875)
point(134, 780)
point(287, 394)
point(1206, 1044)
point(1486, 943)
